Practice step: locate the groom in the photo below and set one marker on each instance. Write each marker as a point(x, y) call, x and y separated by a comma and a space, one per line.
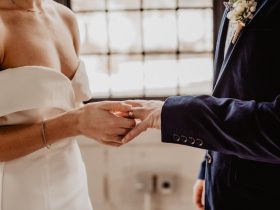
point(239, 124)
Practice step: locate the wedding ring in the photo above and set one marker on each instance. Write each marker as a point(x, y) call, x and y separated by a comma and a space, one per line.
point(130, 114)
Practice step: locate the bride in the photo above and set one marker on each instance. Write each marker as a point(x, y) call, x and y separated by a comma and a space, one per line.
point(43, 83)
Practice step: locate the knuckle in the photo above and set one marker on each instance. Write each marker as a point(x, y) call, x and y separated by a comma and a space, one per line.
point(109, 131)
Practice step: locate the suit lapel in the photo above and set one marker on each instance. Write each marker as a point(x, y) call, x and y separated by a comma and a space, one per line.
point(233, 47)
point(220, 46)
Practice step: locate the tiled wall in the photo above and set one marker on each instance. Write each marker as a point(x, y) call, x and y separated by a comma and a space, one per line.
point(133, 177)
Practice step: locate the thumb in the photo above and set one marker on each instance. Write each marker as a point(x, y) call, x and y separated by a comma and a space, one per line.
point(116, 106)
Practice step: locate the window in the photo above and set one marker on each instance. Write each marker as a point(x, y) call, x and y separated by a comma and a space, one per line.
point(146, 48)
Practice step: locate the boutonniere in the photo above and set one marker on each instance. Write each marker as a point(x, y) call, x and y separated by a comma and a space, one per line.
point(240, 11)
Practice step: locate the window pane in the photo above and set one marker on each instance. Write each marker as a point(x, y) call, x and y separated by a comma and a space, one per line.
point(125, 34)
point(87, 5)
point(124, 4)
point(160, 31)
point(127, 76)
point(168, 32)
point(159, 4)
point(96, 67)
point(195, 74)
point(195, 3)
point(195, 27)
point(160, 75)
point(93, 32)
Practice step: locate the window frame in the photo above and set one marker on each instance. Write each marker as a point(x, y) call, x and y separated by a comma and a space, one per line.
point(217, 8)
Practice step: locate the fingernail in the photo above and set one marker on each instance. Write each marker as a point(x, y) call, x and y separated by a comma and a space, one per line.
point(124, 141)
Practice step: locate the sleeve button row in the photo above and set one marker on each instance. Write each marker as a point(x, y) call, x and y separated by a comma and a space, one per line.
point(187, 140)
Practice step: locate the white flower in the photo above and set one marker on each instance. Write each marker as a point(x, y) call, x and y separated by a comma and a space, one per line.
point(253, 8)
point(241, 10)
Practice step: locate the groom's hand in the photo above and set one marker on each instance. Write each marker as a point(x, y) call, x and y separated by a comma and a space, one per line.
point(149, 112)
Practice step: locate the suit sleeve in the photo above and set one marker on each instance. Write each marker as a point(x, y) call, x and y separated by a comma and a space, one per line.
point(202, 171)
point(247, 129)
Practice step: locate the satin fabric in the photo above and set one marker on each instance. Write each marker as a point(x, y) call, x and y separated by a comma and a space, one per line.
point(47, 179)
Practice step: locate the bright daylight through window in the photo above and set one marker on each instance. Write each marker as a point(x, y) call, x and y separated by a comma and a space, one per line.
point(146, 48)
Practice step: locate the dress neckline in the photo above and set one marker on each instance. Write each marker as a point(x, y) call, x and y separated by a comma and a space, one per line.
point(46, 68)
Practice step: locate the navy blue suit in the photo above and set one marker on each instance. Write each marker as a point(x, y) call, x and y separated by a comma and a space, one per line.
point(239, 124)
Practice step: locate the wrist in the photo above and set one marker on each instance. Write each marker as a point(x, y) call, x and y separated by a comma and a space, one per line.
point(73, 122)
point(61, 127)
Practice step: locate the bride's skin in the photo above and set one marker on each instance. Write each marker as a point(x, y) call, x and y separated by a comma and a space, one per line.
point(51, 39)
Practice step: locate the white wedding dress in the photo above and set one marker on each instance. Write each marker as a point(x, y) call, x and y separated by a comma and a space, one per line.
point(48, 179)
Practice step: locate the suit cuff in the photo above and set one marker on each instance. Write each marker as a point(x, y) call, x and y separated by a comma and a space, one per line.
point(170, 118)
point(179, 123)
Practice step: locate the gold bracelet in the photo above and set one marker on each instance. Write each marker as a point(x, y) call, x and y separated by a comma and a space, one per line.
point(43, 135)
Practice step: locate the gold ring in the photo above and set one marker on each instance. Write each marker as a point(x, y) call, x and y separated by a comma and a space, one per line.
point(130, 114)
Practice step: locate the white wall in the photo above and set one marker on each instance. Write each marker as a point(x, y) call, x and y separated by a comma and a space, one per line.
point(122, 178)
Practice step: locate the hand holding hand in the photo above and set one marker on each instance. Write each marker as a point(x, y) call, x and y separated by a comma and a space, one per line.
point(149, 112)
point(99, 121)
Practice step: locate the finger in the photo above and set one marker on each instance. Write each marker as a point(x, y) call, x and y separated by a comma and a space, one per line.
point(121, 114)
point(116, 106)
point(135, 131)
point(140, 113)
point(113, 138)
point(114, 144)
point(125, 123)
point(120, 131)
point(199, 204)
point(129, 114)
point(135, 103)
point(198, 198)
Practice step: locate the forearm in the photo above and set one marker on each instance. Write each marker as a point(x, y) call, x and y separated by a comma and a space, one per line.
point(20, 140)
point(246, 129)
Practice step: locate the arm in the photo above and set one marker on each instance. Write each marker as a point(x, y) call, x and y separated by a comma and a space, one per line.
point(93, 120)
point(247, 129)
point(20, 140)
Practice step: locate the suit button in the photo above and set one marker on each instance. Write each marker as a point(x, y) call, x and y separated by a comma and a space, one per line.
point(184, 139)
point(192, 140)
point(176, 138)
point(209, 159)
point(199, 142)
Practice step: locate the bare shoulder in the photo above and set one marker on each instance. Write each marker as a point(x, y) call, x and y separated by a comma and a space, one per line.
point(69, 18)
point(66, 13)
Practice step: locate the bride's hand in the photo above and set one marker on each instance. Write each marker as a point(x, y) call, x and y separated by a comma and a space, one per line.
point(99, 121)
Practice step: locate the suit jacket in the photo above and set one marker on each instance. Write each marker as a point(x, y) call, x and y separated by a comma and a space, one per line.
point(239, 124)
